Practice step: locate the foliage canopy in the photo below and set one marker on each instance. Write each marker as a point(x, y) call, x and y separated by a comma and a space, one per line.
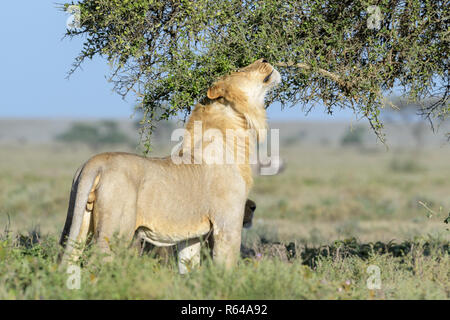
point(340, 53)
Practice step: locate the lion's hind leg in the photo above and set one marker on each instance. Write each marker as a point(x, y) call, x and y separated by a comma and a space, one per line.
point(115, 213)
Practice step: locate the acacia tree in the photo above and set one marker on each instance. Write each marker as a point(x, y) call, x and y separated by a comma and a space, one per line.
point(339, 53)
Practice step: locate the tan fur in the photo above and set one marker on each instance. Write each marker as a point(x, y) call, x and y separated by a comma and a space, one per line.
point(164, 253)
point(170, 203)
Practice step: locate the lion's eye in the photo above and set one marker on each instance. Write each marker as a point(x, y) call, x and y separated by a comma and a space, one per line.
point(268, 77)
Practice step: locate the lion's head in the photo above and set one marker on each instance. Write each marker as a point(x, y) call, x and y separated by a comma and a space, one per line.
point(250, 83)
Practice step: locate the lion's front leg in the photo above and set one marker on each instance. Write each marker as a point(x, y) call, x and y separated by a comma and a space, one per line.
point(226, 250)
point(227, 243)
point(188, 255)
point(227, 231)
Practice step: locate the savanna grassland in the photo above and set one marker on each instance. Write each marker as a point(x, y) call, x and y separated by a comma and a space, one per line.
point(319, 225)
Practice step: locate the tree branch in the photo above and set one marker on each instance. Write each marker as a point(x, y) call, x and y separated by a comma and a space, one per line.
point(323, 72)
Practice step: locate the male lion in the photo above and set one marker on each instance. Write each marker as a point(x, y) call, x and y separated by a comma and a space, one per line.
point(170, 203)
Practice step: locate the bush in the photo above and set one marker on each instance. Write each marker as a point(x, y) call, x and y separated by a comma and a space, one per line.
point(405, 165)
point(94, 135)
point(354, 137)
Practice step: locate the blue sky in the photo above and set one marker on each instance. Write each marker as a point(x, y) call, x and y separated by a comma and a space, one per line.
point(35, 59)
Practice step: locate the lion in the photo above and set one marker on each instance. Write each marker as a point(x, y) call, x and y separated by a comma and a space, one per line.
point(165, 253)
point(168, 202)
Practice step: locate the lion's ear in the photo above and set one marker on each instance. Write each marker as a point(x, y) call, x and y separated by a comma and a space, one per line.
point(216, 91)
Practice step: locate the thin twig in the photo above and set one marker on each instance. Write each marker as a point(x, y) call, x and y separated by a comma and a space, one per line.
point(326, 73)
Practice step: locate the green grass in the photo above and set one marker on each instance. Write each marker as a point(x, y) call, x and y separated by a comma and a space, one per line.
point(342, 208)
point(410, 270)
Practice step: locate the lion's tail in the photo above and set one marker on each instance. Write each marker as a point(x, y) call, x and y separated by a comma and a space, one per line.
point(79, 218)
